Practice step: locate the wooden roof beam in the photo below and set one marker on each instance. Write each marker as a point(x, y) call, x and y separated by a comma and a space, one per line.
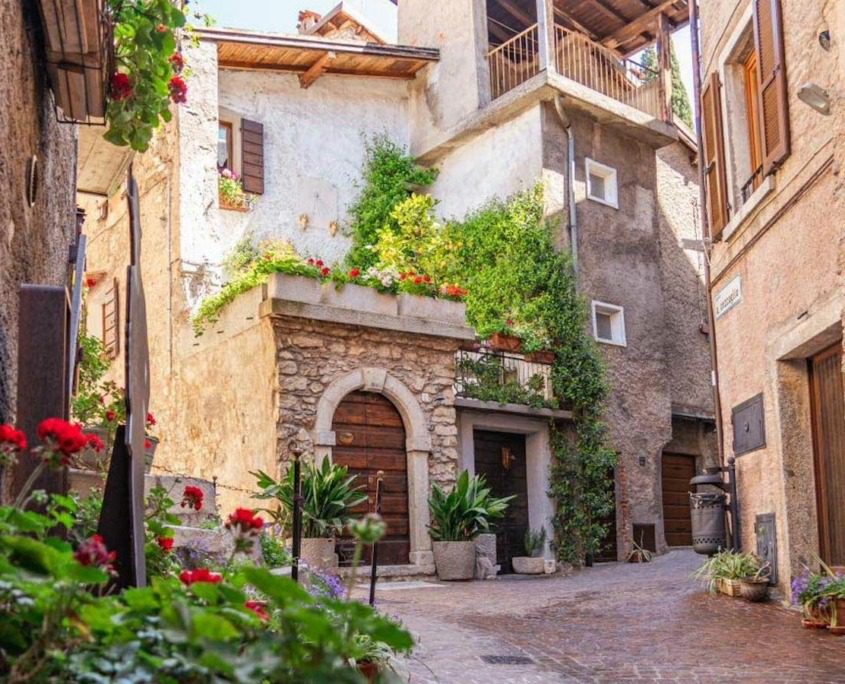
point(317, 69)
point(565, 16)
point(516, 12)
point(642, 24)
point(609, 11)
point(498, 31)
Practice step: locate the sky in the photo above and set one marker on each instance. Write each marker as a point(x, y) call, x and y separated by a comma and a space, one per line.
point(281, 16)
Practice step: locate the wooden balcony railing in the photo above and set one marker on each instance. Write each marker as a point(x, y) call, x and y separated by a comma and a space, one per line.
point(593, 65)
point(580, 59)
point(514, 62)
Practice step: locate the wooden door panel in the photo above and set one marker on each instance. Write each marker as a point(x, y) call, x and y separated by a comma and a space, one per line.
point(677, 471)
point(828, 412)
point(510, 531)
point(370, 438)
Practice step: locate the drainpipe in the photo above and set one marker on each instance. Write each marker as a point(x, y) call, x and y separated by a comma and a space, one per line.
point(569, 184)
point(707, 245)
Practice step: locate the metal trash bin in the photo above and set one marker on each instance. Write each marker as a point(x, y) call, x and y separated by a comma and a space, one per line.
point(707, 510)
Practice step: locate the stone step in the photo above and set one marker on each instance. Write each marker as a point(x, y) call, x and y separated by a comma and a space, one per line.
point(83, 481)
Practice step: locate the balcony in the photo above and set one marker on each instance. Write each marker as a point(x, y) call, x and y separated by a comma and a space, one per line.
point(490, 376)
point(580, 59)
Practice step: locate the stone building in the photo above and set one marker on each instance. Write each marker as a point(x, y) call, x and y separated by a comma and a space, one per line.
point(772, 123)
point(37, 162)
point(507, 92)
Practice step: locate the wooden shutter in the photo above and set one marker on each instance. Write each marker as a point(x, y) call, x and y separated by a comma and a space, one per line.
point(252, 156)
point(771, 71)
point(715, 178)
point(111, 321)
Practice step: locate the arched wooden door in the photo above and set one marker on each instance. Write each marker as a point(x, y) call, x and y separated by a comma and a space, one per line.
point(370, 436)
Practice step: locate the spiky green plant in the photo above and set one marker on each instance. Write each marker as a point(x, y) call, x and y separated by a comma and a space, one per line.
point(534, 542)
point(328, 495)
point(466, 511)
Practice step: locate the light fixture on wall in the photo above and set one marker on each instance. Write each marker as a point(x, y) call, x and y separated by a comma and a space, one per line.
point(31, 180)
point(824, 39)
point(815, 96)
point(303, 221)
point(333, 228)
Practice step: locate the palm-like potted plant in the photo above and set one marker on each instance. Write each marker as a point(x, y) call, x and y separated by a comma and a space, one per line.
point(725, 571)
point(457, 518)
point(328, 495)
point(533, 562)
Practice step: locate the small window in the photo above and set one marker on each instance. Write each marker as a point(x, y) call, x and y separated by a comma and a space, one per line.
point(601, 184)
point(609, 323)
point(225, 144)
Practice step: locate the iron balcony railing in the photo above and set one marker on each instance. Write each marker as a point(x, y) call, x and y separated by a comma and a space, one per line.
point(504, 378)
point(580, 59)
point(751, 184)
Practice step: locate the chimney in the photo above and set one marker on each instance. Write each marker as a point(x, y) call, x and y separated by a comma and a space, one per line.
point(307, 20)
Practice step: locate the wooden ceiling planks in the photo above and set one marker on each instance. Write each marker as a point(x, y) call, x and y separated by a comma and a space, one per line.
point(303, 53)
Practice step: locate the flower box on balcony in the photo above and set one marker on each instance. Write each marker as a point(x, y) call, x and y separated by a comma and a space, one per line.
point(505, 343)
point(233, 206)
point(546, 357)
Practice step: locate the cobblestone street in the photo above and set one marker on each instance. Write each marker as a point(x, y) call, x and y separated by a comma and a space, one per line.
point(612, 623)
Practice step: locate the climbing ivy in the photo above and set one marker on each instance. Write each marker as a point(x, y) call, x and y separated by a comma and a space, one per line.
point(504, 254)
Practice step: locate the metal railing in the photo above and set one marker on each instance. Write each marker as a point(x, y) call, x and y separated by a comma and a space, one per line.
point(751, 184)
point(514, 62)
point(505, 378)
point(593, 65)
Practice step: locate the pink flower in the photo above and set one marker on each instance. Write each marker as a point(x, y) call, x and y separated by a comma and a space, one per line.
point(177, 62)
point(93, 552)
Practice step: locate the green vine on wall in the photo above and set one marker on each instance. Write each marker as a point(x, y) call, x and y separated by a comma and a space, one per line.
point(504, 254)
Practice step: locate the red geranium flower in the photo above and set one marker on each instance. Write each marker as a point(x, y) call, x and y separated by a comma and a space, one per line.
point(311, 261)
point(93, 552)
point(355, 272)
point(245, 521)
point(418, 280)
point(325, 271)
point(110, 416)
point(190, 577)
point(427, 279)
point(61, 439)
point(95, 443)
point(177, 62)
point(259, 608)
point(151, 419)
point(319, 263)
point(148, 444)
point(90, 281)
point(161, 28)
point(121, 87)
point(178, 89)
point(165, 543)
point(11, 439)
point(192, 498)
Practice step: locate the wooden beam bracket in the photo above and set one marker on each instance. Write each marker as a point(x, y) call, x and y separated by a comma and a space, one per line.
point(317, 69)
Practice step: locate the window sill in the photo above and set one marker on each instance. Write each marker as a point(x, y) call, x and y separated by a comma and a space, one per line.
point(614, 205)
point(766, 187)
point(612, 343)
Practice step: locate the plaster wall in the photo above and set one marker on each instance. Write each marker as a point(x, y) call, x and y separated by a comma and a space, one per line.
point(458, 84)
point(494, 165)
point(34, 240)
point(785, 244)
point(314, 151)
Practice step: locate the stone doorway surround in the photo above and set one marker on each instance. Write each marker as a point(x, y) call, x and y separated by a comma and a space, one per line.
point(538, 458)
point(417, 444)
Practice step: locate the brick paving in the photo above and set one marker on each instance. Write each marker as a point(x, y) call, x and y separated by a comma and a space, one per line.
point(608, 624)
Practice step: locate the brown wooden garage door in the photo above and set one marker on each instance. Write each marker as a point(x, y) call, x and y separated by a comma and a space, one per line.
point(677, 472)
point(371, 437)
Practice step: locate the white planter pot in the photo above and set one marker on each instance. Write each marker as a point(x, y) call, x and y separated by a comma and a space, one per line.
point(528, 565)
point(318, 552)
point(442, 310)
point(454, 560)
point(359, 298)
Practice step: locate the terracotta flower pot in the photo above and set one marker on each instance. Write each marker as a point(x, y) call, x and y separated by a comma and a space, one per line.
point(505, 343)
point(546, 357)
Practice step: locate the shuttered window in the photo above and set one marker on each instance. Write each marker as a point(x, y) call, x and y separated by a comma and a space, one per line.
point(774, 112)
point(111, 321)
point(715, 178)
point(252, 156)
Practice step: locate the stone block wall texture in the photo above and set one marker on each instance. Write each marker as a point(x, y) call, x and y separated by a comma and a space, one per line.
point(34, 240)
point(312, 354)
point(788, 253)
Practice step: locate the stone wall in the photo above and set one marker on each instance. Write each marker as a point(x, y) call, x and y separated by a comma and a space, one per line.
point(34, 240)
point(311, 355)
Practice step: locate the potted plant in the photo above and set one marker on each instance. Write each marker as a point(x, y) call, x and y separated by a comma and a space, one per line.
point(373, 657)
point(502, 341)
point(639, 554)
point(457, 518)
point(756, 587)
point(328, 495)
point(807, 591)
point(533, 562)
point(832, 598)
point(724, 571)
point(231, 191)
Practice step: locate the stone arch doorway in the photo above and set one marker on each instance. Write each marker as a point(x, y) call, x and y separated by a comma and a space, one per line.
point(417, 446)
point(370, 437)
